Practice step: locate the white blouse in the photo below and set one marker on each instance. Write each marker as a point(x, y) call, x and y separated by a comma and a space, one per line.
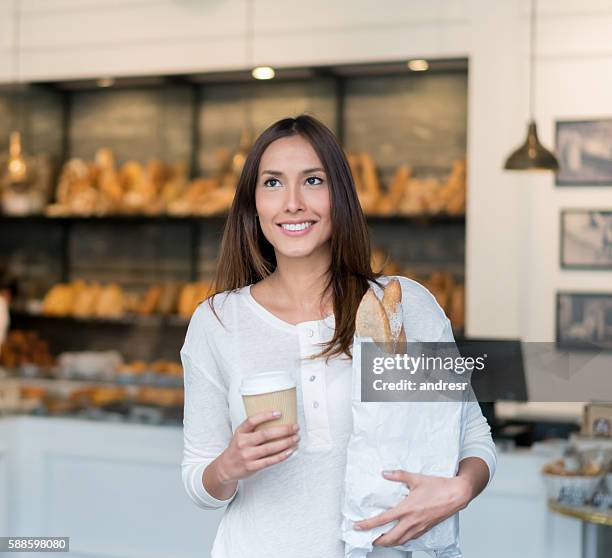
point(292, 508)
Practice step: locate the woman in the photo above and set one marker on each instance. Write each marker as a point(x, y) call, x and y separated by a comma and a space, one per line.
point(293, 266)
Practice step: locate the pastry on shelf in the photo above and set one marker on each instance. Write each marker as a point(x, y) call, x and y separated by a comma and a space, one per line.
point(380, 261)
point(418, 194)
point(203, 196)
point(81, 397)
point(76, 192)
point(450, 196)
point(9, 396)
point(448, 292)
point(33, 392)
point(82, 299)
point(430, 196)
point(175, 185)
point(365, 177)
point(441, 284)
point(134, 368)
point(191, 296)
point(58, 406)
point(167, 367)
point(173, 369)
point(163, 397)
point(212, 195)
point(107, 394)
point(110, 302)
point(25, 347)
point(88, 365)
point(162, 367)
point(168, 299)
point(105, 174)
point(456, 310)
point(95, 188)
point(85, 299)
point(390, 200)
point(371, 183)
point(58, 300)
point(149, 302)
point(131, 301)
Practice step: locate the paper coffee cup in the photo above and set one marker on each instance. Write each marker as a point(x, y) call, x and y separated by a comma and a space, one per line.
point(270, 391)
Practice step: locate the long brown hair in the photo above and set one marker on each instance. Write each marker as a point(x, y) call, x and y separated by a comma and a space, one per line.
point(246, 256)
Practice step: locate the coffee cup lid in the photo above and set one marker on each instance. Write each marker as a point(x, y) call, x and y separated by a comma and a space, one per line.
point(264, 382)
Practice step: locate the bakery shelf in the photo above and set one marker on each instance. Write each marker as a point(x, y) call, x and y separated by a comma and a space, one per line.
point(73, 382)
point(139, 321)
point(373, 219)
point(187, 118)
point(129, 320)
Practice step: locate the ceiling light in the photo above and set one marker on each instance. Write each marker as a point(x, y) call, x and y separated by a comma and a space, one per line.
point(418, 65)
point(263, 72)
point(106, 82)
point(531, 155)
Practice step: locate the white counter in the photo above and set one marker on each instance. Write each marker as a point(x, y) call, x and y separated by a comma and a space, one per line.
point(116, 491)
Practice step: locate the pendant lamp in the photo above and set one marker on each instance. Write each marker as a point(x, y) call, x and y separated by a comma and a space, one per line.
point(531, 155)
point(239, 156)
point(17, 168)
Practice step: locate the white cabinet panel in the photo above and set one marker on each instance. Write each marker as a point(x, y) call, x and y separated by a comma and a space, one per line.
point(116, 491)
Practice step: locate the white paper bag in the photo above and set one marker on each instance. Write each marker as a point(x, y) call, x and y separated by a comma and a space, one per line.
point(419, 437)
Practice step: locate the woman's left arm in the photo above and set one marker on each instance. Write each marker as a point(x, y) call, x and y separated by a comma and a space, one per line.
point(478, 458)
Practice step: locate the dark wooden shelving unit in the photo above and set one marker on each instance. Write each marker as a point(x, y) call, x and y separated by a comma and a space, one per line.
point(330, 88)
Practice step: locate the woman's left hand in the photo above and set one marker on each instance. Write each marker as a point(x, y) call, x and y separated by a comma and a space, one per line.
point(431, 500)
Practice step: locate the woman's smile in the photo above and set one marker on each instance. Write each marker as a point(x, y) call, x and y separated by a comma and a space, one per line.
point(296, 228)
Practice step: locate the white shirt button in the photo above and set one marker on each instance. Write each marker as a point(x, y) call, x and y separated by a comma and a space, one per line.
point(312, 378)
point(315, 404)
point(309, 332)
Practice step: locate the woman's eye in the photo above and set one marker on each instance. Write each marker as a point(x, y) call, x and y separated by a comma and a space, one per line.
point(314, 178)
point(270, 180)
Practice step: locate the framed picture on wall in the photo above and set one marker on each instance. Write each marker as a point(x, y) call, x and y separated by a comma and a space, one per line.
point(584, 151)
point(584, 321)
point(586, 239)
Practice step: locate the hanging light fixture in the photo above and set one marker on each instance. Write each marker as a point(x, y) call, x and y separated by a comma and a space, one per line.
point(17, 168)
point(239, 156)
point(532, 155)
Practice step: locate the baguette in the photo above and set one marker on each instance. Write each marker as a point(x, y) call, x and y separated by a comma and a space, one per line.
point(382, 321)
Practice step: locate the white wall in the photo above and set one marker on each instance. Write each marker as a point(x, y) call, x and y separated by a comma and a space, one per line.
point(574, 81)
point(513, 231)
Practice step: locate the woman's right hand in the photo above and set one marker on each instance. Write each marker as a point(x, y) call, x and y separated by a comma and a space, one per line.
point(250, 451)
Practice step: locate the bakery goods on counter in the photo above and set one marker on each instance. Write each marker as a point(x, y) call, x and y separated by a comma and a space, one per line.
point(109, 366)
point(25, 355)
point(23, 347)
point(83, 394)
point(579, 476)
point(90, 401)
